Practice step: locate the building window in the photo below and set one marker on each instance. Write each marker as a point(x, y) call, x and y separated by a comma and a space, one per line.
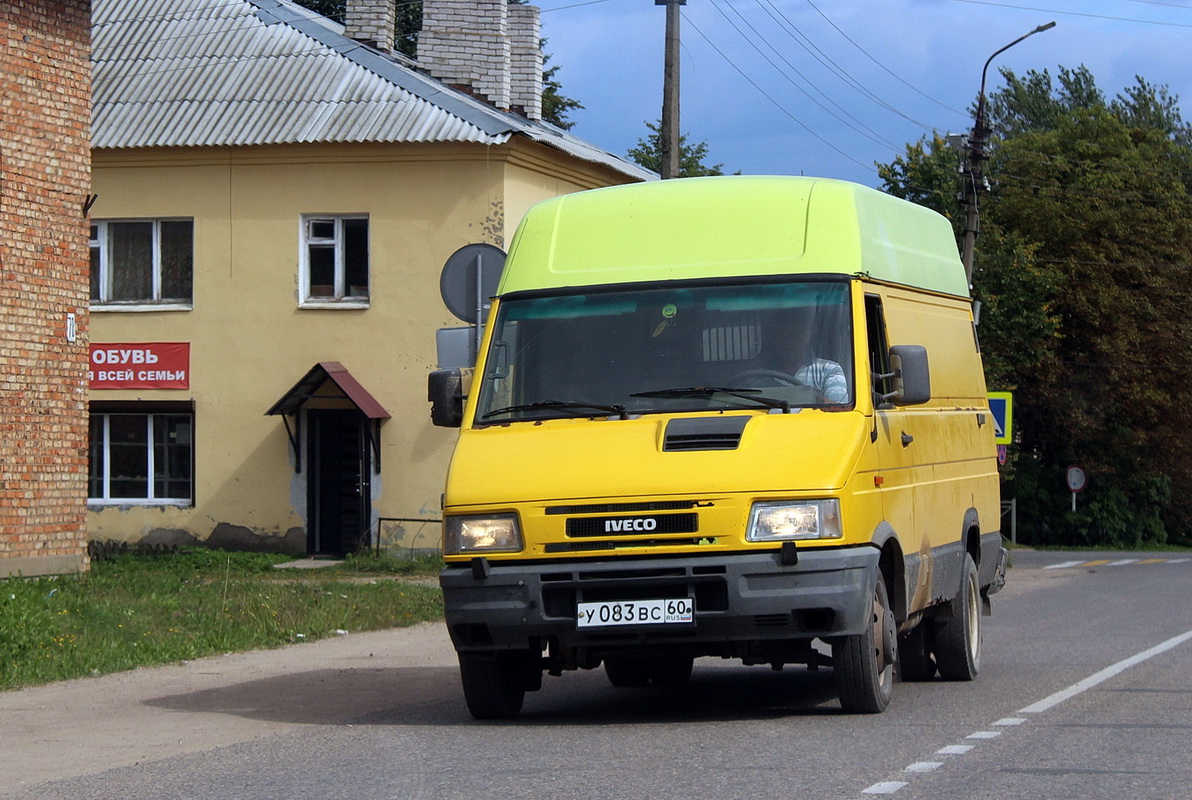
point(142, 261)
point(142, 458)
point(335, 259)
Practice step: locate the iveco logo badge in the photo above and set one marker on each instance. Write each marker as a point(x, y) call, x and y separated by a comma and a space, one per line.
point(632, 524)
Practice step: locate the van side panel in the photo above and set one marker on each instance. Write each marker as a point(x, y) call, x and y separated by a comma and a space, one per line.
point(950, 456)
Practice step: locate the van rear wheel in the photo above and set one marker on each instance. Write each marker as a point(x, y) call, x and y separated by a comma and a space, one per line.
point(864, 663)
point(915, 661)
point(958, 637)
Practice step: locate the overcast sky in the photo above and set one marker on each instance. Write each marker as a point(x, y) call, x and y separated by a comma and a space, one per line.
point(828, 87)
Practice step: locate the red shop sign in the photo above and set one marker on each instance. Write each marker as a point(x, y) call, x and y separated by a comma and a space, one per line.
point(144, 365)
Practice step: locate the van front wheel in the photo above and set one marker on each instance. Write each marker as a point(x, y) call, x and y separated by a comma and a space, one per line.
point(494, 683)
point(864, 663)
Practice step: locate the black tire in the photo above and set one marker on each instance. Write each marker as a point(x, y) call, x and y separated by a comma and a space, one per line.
point(494, 684)
point(958, 637)
point(671, 670)
point(864, 663)
point(627, 671)
point(915, 661)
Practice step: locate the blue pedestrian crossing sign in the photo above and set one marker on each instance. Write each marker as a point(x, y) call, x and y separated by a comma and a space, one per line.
point(1001, 407)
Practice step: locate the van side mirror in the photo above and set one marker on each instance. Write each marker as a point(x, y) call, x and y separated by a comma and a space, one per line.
point(444, 390)
point(912, 381)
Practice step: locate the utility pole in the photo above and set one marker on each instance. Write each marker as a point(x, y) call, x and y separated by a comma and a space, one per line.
point(974, 182)
point(668, 133)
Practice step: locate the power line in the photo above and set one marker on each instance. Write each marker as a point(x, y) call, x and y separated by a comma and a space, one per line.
point(778, 105)
point(573, 5)
point(1076, 13)
point(868, 132)
point(823, 58)
point(875, 61)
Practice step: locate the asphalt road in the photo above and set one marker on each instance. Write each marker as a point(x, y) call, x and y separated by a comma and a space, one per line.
point(1084, 693)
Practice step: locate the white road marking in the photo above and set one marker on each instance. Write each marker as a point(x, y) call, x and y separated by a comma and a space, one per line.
point(924, 766)
point(885, 787)
point(890, 787)
point(954, 749)
point(1122, 562)
point(1104, 675)
point(1064, 565)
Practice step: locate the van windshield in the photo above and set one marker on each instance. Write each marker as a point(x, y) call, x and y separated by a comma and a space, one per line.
point(680, 348)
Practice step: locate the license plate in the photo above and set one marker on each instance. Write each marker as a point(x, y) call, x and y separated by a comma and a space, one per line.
point(635, 612)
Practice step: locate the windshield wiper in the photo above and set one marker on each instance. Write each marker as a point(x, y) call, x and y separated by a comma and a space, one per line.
point(560, 404)
point(699, 391)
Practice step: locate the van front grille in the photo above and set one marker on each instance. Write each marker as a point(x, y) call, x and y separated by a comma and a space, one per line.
point(579, 527)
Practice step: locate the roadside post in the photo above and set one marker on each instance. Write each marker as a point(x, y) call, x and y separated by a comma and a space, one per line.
point(1077, 480)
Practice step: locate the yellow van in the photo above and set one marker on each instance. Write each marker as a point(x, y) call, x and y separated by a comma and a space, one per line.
point(739, 417)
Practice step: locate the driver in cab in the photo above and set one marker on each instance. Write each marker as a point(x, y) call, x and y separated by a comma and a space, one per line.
point(795, 362)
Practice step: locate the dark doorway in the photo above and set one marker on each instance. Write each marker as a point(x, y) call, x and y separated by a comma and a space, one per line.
point(339, 507)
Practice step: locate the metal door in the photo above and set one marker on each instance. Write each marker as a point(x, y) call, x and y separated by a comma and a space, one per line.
point(339, 484)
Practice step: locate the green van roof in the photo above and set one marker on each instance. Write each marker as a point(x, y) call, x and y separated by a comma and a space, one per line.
point(731, 226)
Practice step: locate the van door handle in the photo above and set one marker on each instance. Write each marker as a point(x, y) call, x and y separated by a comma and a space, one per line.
point(907, 438)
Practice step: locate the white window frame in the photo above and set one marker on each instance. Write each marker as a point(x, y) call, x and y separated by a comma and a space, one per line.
point(106, 478)
point(103, 244)
point(340, 297)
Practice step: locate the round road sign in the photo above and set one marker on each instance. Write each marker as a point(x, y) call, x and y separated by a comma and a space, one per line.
point(1077, 480)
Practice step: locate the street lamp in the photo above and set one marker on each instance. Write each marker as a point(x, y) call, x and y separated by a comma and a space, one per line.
point(975, 175)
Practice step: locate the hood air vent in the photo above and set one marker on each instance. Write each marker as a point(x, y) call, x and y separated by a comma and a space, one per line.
point(704, 433)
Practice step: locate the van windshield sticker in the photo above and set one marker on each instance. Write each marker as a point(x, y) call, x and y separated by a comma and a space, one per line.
point(668, 315)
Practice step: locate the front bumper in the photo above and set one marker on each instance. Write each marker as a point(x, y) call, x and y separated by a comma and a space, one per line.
point(737, 598)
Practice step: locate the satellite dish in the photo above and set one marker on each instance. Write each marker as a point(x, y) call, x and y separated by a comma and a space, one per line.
point(469, 279)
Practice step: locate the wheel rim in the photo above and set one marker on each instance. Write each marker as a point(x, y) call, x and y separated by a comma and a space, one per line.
point(974, 621)
point(885, 666)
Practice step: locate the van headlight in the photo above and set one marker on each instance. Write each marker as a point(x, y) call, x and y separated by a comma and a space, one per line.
point(495, 533)
point(785, 520)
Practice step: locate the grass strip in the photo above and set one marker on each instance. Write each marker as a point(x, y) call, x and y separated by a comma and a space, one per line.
point(143, 610)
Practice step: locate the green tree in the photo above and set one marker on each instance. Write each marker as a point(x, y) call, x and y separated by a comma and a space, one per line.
point(648, 154)
point(1112, 220)
point(1034, 102)
point(555, 105)
point(1085, 248)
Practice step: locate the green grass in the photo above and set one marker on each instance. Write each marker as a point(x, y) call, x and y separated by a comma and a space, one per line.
point(141, 610)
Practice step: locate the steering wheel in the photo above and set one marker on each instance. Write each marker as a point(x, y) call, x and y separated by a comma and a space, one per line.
point(773, 374)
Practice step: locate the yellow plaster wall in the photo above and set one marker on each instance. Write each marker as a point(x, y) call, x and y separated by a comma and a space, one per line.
point(250, 340)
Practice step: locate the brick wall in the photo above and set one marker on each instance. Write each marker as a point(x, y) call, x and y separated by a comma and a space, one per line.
point(465, 43)
point(45, 101)
point(525, 67)
point(371, 21)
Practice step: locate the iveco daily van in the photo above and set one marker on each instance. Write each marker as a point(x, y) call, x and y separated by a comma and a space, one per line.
point(738, 417)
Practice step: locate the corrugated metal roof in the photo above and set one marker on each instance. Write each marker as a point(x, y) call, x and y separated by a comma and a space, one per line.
point(190, 73)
